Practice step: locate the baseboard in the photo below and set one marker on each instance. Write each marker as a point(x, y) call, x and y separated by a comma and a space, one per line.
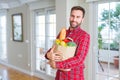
point(16, 68)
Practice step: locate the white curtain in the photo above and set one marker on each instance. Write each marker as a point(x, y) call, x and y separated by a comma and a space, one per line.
point(91, 0)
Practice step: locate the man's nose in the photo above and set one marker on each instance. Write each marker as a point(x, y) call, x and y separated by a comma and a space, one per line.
point(74, 19)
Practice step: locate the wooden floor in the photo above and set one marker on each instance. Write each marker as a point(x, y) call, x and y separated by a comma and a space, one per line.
point(7, 73)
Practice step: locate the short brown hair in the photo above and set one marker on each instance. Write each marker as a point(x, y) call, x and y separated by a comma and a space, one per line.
point(78, 8)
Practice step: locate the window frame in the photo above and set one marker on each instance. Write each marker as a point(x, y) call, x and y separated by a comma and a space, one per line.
point(93, 15)
point(45, 12)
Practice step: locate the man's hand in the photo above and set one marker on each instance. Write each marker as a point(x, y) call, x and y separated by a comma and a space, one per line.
point(52, 64)
point(55, 56)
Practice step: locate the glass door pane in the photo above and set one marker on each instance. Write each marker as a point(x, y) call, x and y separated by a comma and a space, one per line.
point(108, 41)
point(51, 36)
point(45, 34)
point(40, 42)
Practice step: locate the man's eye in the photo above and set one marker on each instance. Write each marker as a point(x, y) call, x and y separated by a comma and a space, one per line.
point(78, 16)
point(72, 16)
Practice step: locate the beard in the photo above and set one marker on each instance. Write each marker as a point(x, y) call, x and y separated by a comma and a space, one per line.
point(72, 25)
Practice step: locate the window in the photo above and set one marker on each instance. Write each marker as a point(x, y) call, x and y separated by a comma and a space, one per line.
point(3, 50)
point(45, 34)
point(108, 20)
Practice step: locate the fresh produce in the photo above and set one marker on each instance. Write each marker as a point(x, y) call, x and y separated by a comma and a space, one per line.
point(57, 41)
point(63, 41)
point(66, 40)
point(71, 44)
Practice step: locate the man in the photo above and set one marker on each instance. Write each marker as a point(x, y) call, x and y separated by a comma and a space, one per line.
point(82, 39)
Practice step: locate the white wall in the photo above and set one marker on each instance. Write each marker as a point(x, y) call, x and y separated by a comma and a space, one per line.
point(18, 52)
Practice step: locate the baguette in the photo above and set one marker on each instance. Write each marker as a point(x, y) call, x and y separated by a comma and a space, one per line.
point(62, 35)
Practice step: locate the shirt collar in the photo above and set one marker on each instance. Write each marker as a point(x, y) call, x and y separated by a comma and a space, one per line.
point(75, 29)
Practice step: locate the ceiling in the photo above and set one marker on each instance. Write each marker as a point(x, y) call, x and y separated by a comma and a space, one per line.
point(6, 4)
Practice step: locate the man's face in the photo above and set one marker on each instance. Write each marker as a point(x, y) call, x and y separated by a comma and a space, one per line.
point(76, 18)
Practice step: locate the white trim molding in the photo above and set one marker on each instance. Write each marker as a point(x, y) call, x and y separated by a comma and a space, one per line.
point(91, 0)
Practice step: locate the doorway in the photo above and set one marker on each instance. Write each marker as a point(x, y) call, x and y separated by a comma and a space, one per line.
point(108, 41)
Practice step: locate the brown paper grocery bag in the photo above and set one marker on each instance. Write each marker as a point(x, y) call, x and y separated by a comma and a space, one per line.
point(67, 52)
